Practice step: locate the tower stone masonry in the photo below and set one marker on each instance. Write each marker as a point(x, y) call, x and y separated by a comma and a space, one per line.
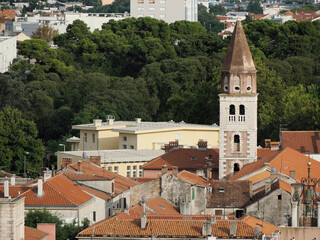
point(238, 107)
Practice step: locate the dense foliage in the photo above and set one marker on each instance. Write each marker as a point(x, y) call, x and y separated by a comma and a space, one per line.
point(63, 230)
point(149, 69)
point(254, 7)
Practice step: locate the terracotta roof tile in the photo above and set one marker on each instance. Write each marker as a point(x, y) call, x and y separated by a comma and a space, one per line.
point(163, 228)
point(259, 177)
point(302, 141)
point(227, 193)
point(192, 178)
point(8, 13)
point(34, 234)
point(57, 191)
point(264, 227)
point(93, 172)
point(95, 192)
point(185, 158)
point(13, 190)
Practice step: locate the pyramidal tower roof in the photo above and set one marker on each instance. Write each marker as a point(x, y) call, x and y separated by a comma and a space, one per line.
point(238, 56)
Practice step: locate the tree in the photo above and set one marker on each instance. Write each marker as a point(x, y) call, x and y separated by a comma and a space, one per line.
point(255, 7)
point(217, 9)
point(63, 230)
point(208, 20)
point(45, 32)
point(17, 138)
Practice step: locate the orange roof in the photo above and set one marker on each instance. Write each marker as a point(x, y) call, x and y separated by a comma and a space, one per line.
point(304, 15)
point(185, 158)
point(13, 190)
point(57, 191)
point(8, 13)
point(259, 177)
point(34, 234)
point(87, 171)
point(285, 161)
point(95, 192)
point(288, 13)
point(192, 178)
point(302, 141)
point(264, 227)
point(163, 227)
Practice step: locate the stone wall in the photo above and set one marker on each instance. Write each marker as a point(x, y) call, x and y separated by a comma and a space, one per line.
point(149, 189)
point(12, 218)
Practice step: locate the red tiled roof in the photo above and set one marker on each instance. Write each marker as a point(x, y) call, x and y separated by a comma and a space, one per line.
point(8, 13)
point(304, 15)
point(302, 141)
point(34, 234)
point(93, 172)
point(163, 228)
point(185, 158)
point(288, 13)
point(95, 192)
point(13, 190)
point(264, 227)
point(57, 191)
point(192, 178)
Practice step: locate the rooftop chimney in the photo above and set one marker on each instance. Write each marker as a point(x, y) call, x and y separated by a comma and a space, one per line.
point(143, 220)
point(6, 187)
point(233, 228)
point(164, 169)
point(175, 171)
point(97, 122)
point(202, 144)
point(66, 162)
point(206, 228)
point(13, 180)
point(267, 143)
point(47, 174)
point(40, 187)
point(171, 145)
point(95, 160)
point(138, 120)
point(292, 174)
point(110, 119)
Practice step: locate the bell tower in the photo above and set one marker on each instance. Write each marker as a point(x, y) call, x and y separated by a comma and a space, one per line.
point(238, 107)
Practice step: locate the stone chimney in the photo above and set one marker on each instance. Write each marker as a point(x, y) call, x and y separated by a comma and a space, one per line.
point(47, 174)
point(171, 145)
point(143, 220)
point(13, 180)
point(164, 169)
point(175, 170)
point(267, 187)
point(95, 160)
point(202, 144)
point(138, 120)
point(110, 119)
point(66, 162)
point(97, 122)
point(267, 143)
point(40, 187)
point(207, 228)
point(6, 187)
point(292, 174)
point(233, 228)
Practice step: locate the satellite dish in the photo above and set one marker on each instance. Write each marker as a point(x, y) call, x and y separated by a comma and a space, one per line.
point(84, 155)
point(144, 199)
point(256, 231)
point(273, 170)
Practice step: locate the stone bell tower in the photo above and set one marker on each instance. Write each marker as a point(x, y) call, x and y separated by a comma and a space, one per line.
point(238, 107)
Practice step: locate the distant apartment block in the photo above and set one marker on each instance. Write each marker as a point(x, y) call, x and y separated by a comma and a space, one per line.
point(166, 10)
point(8, 52)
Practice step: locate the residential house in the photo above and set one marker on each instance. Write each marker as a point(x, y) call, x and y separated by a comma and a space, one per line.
point(202, 161)
point(6, 16)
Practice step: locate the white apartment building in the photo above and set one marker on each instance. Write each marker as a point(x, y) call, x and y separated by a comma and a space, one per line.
point(8, 52)
point(166, 10)
point(28, 25)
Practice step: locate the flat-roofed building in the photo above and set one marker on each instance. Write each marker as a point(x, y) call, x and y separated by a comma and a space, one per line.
point(141, 135)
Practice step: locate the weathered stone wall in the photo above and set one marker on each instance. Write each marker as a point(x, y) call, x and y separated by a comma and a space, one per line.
point(12, 218)
point(271, 209)
point(149, 189)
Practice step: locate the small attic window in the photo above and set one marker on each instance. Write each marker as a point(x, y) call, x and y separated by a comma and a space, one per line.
point(221, 190)
point(193, 158)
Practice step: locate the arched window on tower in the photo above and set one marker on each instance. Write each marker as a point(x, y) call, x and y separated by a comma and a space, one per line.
point(236, 142)
point(232, 113)
point(236, 167)
point(242, 112)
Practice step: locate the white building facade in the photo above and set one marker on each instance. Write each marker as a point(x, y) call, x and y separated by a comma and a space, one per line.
point(8, 52)
point(166, 10)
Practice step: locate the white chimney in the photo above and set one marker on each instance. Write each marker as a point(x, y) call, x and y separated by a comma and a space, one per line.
point(40, 187)
point(47, 174)
point(97, 122)
point(13, 180)
point(6, 187)
point(143, 221)
point(138, 120)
